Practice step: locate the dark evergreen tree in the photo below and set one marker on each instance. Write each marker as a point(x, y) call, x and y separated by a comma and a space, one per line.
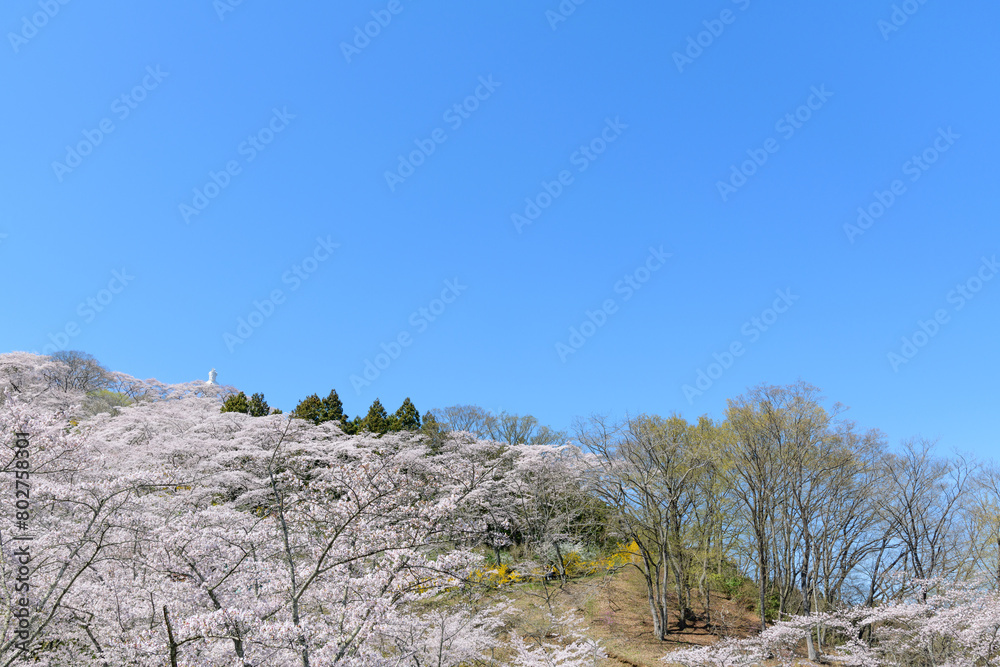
point(236, 403)
point(333, 409)
point(258, 407)
point(351, 426)
point(309, 408)
point(377, 419)
point(255, 406)
point(318, 410)
point(406, 418)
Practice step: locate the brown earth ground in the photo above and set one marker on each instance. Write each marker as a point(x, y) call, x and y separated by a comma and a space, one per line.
point(616, 611)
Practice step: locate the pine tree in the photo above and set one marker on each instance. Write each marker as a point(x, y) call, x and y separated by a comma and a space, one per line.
point(406, 418)
point(377, 420)
point(255, 406)
point(236, 403)
point(309, 408)
point(333, 409)
point(258, 407)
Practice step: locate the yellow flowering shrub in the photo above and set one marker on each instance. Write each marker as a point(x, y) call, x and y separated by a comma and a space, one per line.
point(576, 566)
point(496, 576)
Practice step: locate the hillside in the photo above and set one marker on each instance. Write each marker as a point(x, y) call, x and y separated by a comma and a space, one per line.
point(615, 611)
point(184, 524)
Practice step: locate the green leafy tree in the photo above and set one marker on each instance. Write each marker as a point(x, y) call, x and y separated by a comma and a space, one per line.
point(377, 419)
point(103, 400)
point(309, 408)
point(258, 407)
point(434, 432)
point(236, 403)
point(406, 418)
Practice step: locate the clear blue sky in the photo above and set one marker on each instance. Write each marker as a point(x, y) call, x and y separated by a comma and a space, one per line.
point(308, 128)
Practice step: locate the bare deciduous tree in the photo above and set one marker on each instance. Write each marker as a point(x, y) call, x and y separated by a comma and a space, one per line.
point(645, 470)
point(77, 371)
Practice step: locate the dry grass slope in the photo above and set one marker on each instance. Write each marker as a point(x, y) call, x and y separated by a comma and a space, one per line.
point(616, 612)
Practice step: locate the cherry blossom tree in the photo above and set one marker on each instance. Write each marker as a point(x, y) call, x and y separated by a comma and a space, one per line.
point(958, 626)
point(167, 531)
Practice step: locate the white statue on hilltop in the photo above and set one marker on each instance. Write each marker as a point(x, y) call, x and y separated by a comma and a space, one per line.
point(211, 377)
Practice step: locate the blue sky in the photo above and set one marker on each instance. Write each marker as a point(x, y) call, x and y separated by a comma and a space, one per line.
point(674, 171)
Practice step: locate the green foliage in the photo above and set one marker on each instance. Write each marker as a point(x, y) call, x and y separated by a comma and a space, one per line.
point(309, 408)
point(316, 410)
point(593, 521)
point(773, 604)
point(377, 419)
point(255, 406)
point(741, 590)
point(332, 409)
point(434, 432)
point(406, 418)
point(236, 403)
point(258, 407)
point(734, 586)
point(103, 400)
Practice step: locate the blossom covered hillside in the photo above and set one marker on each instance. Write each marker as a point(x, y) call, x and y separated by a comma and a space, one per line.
point(164, 531)
point(148, 524)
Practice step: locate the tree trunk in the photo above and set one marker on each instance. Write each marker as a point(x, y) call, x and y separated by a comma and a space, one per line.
point(560, 563)
point(682, 608)
point(170, 638)
point(804, 582)
point(762, 587)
